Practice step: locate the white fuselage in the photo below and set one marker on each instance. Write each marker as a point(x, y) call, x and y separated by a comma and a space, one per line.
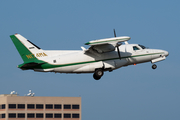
point(80, 62)
point(103, 55)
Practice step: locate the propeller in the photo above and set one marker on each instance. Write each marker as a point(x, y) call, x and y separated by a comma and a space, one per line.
point(114, 33)
point(117, 46)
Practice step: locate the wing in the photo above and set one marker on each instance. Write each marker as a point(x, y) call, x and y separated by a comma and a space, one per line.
point(106, 45)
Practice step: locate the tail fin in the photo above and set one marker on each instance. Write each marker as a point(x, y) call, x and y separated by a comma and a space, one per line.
point(27, 50)
point(23, 46)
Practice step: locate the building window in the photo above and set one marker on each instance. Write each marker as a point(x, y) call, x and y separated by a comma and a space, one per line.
point(21, 115)
point(49, 106)
point(12, 115)
point(49, 115)
point(75, 115)
point(39, 106)
point(75, 106)
point(57, 106)
point(3, 106)
point(67, 115)
point(67, 106)
point(21, 106)
point(39, 115)
point(30, 115)
point(57, 115)
point(30, 106)
point(12, 106)
point(3, 116)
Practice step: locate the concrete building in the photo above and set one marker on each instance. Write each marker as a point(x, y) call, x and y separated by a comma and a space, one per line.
point(13, 107)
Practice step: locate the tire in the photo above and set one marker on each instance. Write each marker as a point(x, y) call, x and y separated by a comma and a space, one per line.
point(154, 66)
point(98, 74)
point(95, 77)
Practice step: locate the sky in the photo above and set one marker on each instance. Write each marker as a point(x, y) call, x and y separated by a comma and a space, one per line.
point(132, 92)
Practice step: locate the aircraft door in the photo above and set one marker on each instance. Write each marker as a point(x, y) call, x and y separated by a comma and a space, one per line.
point(129, 52)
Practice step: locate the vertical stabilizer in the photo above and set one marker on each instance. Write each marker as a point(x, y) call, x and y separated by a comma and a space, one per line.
point(26, 49)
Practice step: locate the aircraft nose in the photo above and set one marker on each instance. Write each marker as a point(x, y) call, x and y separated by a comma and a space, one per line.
point(166, 53)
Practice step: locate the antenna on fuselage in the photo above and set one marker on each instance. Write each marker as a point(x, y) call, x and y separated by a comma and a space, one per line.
point(117, 46)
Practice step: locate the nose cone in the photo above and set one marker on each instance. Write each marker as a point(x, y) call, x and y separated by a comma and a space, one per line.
point(166, 53)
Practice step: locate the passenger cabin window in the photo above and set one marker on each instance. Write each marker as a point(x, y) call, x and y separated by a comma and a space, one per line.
point(135, 48)
point(143, 47)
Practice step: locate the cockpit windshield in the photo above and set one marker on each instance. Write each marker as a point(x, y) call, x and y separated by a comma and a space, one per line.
point(143, 47)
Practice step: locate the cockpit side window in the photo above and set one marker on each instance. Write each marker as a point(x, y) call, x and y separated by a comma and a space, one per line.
point(143, 47)
point(135, 48)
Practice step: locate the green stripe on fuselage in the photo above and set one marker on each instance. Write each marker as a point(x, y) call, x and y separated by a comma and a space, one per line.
point(48, 66)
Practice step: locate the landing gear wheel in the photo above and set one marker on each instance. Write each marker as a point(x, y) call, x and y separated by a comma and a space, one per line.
point(154, 66)
point(95, 77)
point(98, 74)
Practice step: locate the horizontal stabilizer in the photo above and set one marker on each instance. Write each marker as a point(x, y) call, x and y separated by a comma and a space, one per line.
point(30, 65)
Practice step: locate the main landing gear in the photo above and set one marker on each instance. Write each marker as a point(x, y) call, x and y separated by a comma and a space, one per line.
point(154, 66)
point(98, 74)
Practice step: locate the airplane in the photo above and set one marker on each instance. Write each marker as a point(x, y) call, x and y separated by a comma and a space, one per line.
point(103, 55)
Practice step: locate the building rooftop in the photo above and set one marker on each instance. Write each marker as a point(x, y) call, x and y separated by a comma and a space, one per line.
point(3, 95)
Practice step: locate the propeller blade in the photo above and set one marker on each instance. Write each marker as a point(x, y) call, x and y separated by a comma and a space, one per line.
point(119, 52)
point(117, 46)
point(114, 33)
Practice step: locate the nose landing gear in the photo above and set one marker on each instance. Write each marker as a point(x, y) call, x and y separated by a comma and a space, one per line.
point(98, 74)
point(154, 66)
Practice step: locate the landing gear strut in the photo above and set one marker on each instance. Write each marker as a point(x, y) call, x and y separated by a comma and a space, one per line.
point(98, 74)
point(154, 66)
